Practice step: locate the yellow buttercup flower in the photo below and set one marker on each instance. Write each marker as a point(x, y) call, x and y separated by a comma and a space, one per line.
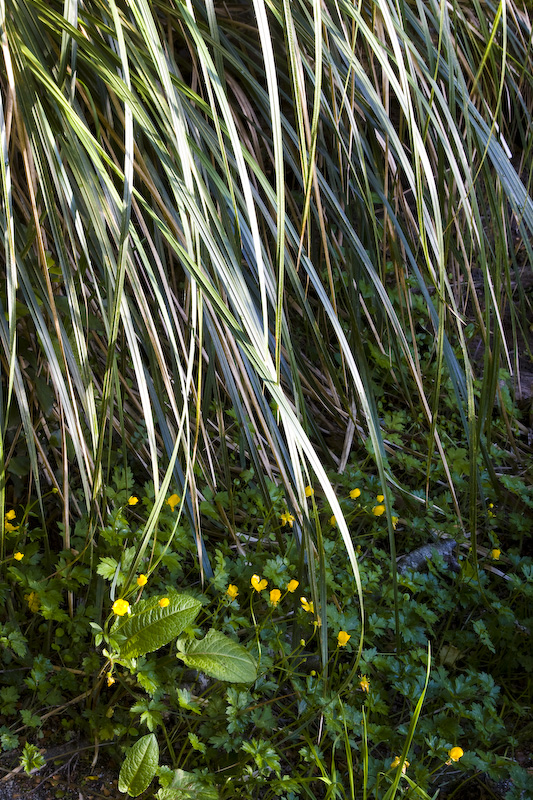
point(309, 491)
point(9, 527)
point(307, 606)
point(121, 607)
point(394, 521)
point(164, 602)
point(287, 518)
point(258, 584)
point(292, 585)
point(11, 514)
point(18, 556)
point(378, 510)
point(396, 763)
point(364, 683)
point(232, 591)
point(355, 493)
point(456, 753)
point(496, 553)
point(132, 501)
point(275, 595)
point(142, 580)
point(332, 521)
point(173, 501)
point(343, 638)
point(380, 498)
point(110, 679)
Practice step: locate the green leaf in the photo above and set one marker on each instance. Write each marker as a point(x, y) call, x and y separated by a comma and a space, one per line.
point(140, 766)
point(187, 786)
point(31, 758)
point(150, 627)
point(481, 630)
point(219, 657)
point(195, 742)
point(107, 567)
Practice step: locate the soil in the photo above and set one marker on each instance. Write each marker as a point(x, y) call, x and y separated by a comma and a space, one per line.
point(67, 775)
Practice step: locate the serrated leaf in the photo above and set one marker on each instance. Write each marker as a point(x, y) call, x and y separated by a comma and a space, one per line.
point(150, 627)
point(107, 568)
point(140, 765)
point(219, 657)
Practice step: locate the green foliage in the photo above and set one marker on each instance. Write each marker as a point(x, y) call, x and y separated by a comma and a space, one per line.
point(140, 766)
point(152, 624)
point(268, 266)
point(31, 758)
point(218, 656)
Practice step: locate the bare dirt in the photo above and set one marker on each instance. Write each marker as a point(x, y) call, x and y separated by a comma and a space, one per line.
point(67, 775)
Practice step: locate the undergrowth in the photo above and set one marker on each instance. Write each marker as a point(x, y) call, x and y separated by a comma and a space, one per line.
point(321, 719)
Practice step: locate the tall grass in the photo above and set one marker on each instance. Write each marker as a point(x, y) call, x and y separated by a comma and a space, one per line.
point(252, 206)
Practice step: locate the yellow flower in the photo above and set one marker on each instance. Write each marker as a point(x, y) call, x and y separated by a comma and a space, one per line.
point(496, 553)
point(142, 580)
point(396, 763)
point(33, 601)
point(275, 595)
point(364, 683)
point(380, 498)
point(309, 491)
point(355, 493)
point(302, 642)
point(173, 501)
point(18, 556)
point(132, 501)
point(110, 679)
point(378, 510)
point(307, 606)
point(258, 584)
point(292, 585)
point(343, 638)
point(164, 602)
point(11, 514)
point(9, 527)
point(287, 518)
point(332, 521)
point(121, 607)
point(456, 753)
point(394, 521)
point(232, 591)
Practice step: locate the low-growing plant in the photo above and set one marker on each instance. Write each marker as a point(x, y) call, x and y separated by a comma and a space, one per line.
point(272, 717)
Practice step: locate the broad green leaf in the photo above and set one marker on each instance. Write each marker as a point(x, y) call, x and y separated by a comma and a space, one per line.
point(150, 627)
point(140, 766)
point(187, 786)
point(219, 657)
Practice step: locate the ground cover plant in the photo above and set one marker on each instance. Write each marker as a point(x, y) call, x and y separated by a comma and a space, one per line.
point(265, 404)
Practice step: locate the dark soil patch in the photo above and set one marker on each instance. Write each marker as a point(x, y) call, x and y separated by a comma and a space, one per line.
point(67, 775)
